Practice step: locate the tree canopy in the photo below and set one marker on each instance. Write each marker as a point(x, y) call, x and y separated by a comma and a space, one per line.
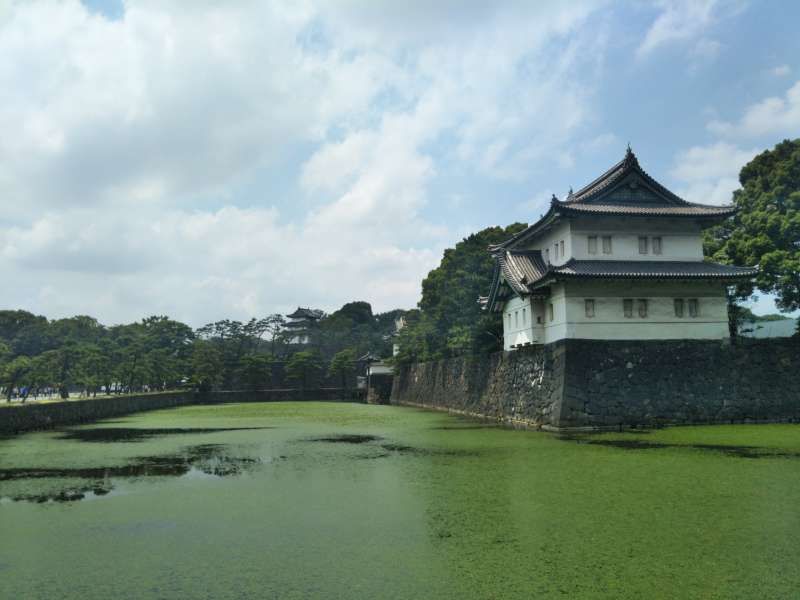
point(80, 355)
point(449, 321)
point(766, 229)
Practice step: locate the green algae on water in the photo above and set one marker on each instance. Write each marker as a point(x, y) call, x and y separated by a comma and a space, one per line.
point(326, 500)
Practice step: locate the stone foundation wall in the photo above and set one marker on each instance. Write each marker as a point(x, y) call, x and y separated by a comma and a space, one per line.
point(30, 417)
point(523, 386)
point(692, 381)
point(597, 383)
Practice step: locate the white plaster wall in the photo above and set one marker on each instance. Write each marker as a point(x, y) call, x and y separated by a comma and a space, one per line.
point(548, 239)
point(681, 240)
point(610, 323)
point(517, 330)
point(557, 328)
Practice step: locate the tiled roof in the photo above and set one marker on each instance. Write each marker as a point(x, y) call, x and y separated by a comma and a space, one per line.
point(524, 272)
point(627, 189)
point(624, 190)
point(635, 269)
point(521, 268)
point(619, 172)
point(689, 210)
point(306, 313)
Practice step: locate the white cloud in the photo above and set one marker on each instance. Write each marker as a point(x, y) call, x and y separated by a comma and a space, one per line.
point(688, 21)
point(199, 266)
point(679, 20)
point(774, 115)
point(124, 142)
point(710, 174)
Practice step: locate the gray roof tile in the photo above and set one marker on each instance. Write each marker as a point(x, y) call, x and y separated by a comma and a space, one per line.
point(636, 269)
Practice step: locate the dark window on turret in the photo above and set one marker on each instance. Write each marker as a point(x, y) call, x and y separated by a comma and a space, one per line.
point(656, 245)
point(627, 308)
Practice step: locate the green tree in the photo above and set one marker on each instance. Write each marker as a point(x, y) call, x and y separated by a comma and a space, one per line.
point(92, 366)
point(130, 362)
point(450, 321)
point(342, 366)
point(256, 371)
point(302, 367)
point(14, 374)
point(43, 372)
point(5, 353)
point(235, 340)
point(207, 365)
point(273, 326)
point(460, 339)
point(766, 229)
point(419, 340)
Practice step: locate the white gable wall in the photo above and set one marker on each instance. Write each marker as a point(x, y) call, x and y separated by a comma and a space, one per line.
point(519, 323)
point(548, 240)
point(609, 321)
point(516, 323)
point(681, 240)
point(555, 328)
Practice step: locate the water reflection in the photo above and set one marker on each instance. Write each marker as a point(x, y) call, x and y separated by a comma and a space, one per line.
point(211, 459)
point(131, 434)
point(380, 448)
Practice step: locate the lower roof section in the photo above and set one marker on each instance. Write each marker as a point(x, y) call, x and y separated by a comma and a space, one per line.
point(522, 273)
point(636, 269)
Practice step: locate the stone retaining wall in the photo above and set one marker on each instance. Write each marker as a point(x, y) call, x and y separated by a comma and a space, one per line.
point(29, 417)
point(35, 416)
point(595, 383)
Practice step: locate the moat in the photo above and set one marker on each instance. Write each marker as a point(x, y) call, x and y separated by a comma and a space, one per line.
point(328, 500)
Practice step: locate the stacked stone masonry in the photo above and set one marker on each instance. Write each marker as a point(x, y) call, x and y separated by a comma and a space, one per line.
point(598, 384)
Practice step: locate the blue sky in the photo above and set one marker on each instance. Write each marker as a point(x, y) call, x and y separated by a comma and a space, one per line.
point(210, 160)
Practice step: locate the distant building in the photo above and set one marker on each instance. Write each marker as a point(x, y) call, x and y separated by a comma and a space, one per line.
point(399, 323)
point(377, 378)
point(768, 329)
point(622, 259)
point(302, 323)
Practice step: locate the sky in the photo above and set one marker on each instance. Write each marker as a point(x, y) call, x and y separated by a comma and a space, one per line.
point(210, 160)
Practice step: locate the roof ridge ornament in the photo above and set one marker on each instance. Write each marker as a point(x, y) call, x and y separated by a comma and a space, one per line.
point(630, 158)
